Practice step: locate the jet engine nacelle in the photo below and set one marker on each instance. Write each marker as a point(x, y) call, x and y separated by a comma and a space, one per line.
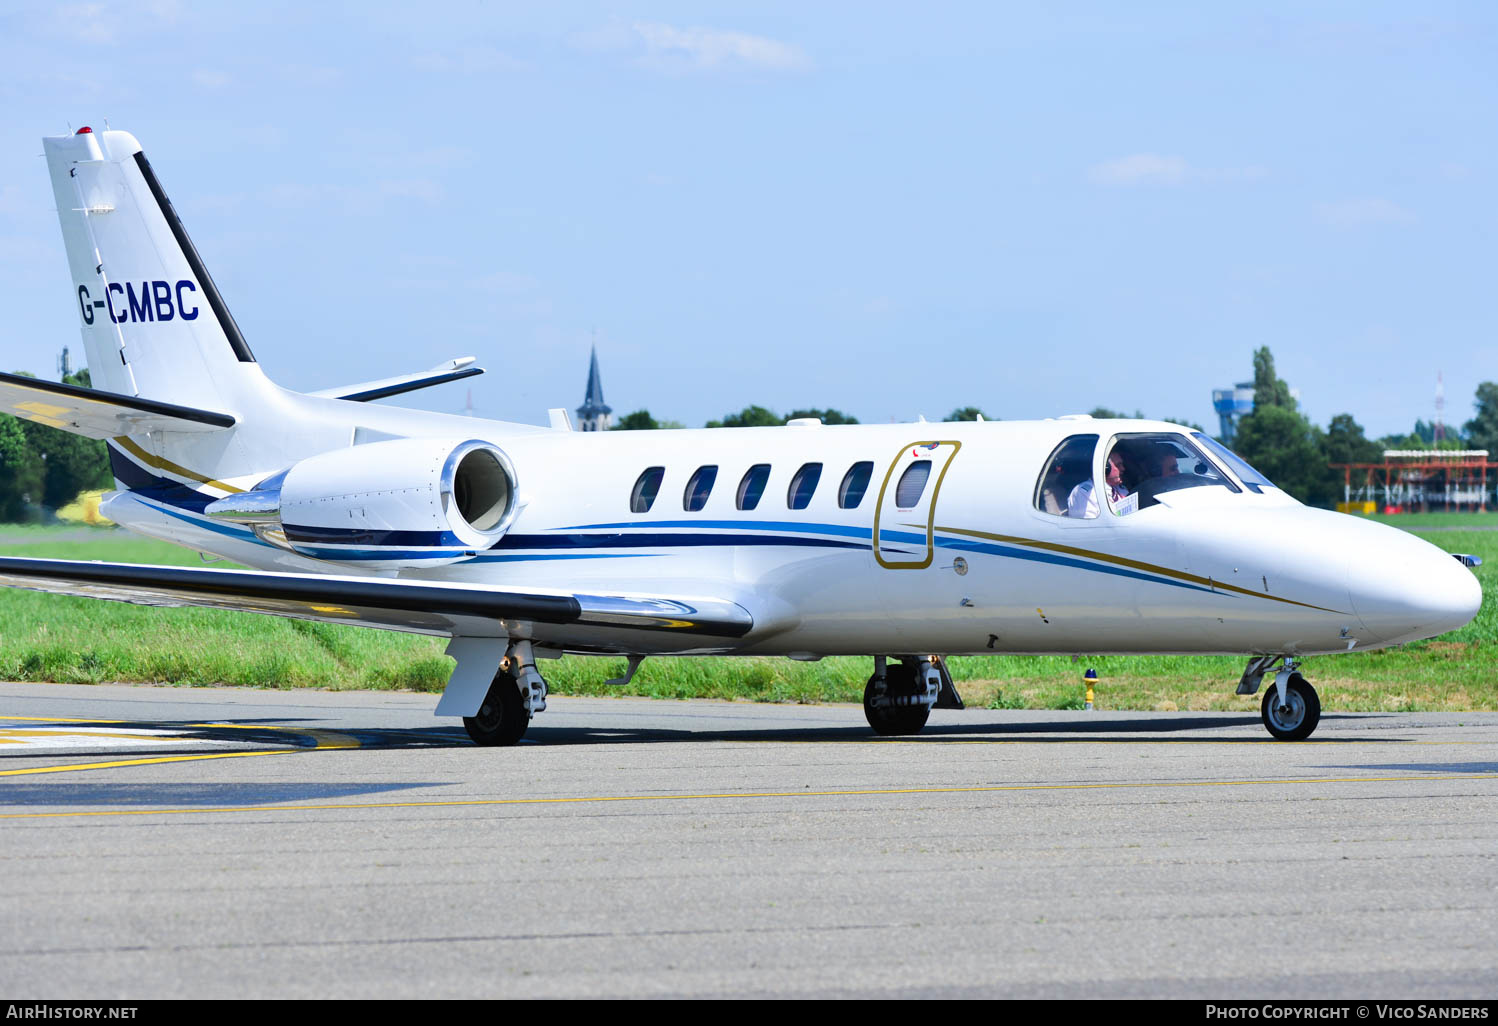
point(400, 503)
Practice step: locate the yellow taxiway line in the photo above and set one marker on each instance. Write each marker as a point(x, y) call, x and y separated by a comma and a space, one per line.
point(323, 740)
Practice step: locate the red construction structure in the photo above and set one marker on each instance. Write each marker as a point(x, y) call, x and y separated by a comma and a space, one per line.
point(1419, 480)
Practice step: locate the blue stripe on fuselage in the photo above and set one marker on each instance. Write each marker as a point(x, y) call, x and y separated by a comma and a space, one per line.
point(654, 539)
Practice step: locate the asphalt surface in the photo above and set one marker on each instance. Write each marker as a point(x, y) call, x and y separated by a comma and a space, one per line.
point(159, 842)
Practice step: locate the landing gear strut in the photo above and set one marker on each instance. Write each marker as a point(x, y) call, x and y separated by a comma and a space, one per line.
point(1290, 708)
point(1291, 711)
point(516, 694)
point(898, 698)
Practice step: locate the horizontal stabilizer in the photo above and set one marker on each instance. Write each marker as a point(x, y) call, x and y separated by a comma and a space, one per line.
point(448, 370)
point(415, 606)
point(96, 414)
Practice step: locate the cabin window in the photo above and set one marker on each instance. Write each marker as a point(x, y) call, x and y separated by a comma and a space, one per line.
point(699, 487)
point(803, 485)
point(912, 484)
point(855, 483)
point(647, 485)
point(1065, 472)
point(752, 486)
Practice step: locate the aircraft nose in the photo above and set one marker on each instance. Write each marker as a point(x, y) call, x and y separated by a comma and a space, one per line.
point(1405, 589)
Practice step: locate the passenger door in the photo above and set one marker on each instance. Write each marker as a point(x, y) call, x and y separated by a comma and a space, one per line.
point(905, 517)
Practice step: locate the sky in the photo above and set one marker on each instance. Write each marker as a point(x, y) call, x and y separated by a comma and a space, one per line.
point(889, 209)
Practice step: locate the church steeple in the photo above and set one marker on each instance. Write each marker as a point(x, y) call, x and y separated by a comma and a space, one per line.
point(594, 414)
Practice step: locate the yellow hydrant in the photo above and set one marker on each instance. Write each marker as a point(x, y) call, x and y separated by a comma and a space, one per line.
point(1091, 678)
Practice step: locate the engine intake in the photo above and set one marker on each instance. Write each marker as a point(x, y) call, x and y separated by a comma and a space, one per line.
point(404, 502)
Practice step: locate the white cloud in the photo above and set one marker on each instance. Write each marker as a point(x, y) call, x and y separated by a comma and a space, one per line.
point(107, 23)
point(436, 158)
point(89, 23)
point(1356, 213)
point(705, 49)
point(507, 283)
point(352, 198)
point(667, 48)
point(1140, 169)
point(14, 200)
point(411, 188)
point(309, 75)
point(471, 60)
point(210, 79)
point(1156, 169)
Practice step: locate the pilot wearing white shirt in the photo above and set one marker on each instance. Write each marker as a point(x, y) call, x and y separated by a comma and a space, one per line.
point(1083, 504)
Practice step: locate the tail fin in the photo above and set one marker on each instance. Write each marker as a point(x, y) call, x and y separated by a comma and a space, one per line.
point(153, 322)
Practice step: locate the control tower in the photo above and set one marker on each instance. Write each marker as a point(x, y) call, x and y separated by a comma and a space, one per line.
point(1231, 404)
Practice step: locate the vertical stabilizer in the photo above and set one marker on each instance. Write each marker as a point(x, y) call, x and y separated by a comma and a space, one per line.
point(153, 322)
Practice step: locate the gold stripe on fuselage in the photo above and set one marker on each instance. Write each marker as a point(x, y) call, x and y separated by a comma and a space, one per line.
point(158, 463)
point(1134, 564)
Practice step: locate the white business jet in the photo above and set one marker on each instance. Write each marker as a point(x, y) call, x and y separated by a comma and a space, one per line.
point(523, 543)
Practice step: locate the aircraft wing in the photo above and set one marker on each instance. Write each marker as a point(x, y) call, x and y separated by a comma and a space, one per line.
point(420, 607)
point(96, 414)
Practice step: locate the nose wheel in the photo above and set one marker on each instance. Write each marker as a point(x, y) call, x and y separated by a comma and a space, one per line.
point(1294, 717)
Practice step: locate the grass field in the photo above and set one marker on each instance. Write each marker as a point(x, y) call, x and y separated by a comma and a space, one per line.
point(77, 640)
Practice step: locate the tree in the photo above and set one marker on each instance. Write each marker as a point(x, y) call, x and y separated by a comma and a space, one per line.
point(44, 467)
point(1290, 451)
point(21, 473)
point(73, 463)
point(966, 413)
point(1269, 389)
point(1482, 430)
point(1346, 443)
point(827, 416)
point(1103, 413)
point(640, 420)
point(749, 416)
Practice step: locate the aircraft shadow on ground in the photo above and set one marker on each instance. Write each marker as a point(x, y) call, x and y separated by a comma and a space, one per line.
point(1104, 731)
point(1428, 767)
point(290, 733)
point(206, 795)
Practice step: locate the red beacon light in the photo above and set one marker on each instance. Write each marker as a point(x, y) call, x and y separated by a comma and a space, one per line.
point(85, 130)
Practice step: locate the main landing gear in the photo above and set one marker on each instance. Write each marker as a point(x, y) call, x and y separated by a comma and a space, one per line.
point(516, 694)
point(1290, 709)
point(899, 697)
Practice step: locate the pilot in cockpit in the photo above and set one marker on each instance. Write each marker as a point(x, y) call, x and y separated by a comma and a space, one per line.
point(1083, 502)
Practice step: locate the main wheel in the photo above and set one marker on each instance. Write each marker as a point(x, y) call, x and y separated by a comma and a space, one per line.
point(502, 718)
point(1298, 717)
point(907, 714)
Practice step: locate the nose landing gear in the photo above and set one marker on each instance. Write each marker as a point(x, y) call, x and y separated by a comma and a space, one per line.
point(1291, 709)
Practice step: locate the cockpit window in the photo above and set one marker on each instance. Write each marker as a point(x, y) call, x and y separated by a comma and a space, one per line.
point(1067, 469)
point(1142, 467)
point(1138, 469)
point(1250, 477)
